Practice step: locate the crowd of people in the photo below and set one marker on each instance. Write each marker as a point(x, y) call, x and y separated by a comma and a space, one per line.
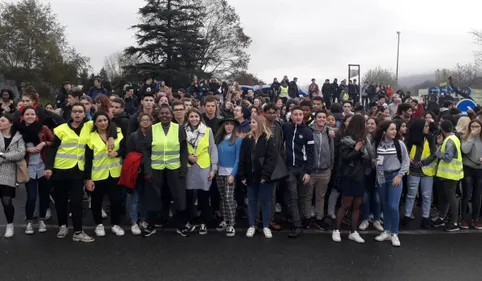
point(220, 153)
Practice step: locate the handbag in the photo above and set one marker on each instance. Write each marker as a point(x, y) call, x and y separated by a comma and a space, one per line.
point(22, 172)
point(280, 171)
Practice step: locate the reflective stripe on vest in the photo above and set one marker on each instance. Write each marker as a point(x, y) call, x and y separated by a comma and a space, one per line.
point(104, 166)
point(165, 147)
point(453, 170)
point(71, 150)
point(284, 92)
point(202, 151)
point(430, 169)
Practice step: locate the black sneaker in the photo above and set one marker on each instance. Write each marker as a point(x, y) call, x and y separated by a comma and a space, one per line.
point(425, 223)
point(321, 225)
point(306, 223)
point(450, 227)
point(148, 231)
point(295, 232)
point(438, 223)
point(203, 230)
point(405, 221)
point(183, 232)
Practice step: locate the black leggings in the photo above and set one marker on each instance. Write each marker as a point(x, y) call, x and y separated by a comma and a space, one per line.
point(8, 208)
point(472, 190)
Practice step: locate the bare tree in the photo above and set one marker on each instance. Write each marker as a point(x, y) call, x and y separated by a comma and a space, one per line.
point(478, 40)
point(380, 75)
point(466, 75)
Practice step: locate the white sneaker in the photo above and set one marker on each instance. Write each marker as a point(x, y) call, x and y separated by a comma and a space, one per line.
point(63, 231)
point(135, 229)
point(230, 231)
point(335, 236)
point(82, 237)
point(100, 231)
point(267, 233)
point(48, 215)
point(42, 227)
point(222, 226)
point(384, 236)
point(117, 230)
point(9, 231)
point(29, 229)
point(104, 214)
point(250, 232)
point(395, 240)
point(354, 236)
point(378, 225)
point(364, 225)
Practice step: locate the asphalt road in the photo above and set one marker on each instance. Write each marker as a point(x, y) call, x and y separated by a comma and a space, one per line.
point(424, 255)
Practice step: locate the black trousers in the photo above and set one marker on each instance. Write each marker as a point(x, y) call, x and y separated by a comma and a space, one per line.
point(64, 190)
point(107, 187)
point(203, 205)
point(471, 191)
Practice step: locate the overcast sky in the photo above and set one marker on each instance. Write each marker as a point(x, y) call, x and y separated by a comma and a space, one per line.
point(306, 38)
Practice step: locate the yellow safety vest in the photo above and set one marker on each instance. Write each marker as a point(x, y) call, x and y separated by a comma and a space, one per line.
point(284, 92)
point(431, 168)
point(453, 170)
point(72, 147)
point(202, 151)
point(102, 164)
point(165, 148)
point(345, 96)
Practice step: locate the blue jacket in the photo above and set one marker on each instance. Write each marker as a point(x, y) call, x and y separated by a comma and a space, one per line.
point(229, 154)
point(244, 127)
point(299, 146)
point(94, 92)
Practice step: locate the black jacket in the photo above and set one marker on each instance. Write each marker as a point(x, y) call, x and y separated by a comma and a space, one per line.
point(351, 161)
point(293, 89)
point(257, 160)
point(299, 146)
point(122, 121)
point(132, 104)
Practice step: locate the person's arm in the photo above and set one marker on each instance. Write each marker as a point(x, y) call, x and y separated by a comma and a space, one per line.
point(122, 152)
point(15, 154)
point(213, 152)
point(237, 148)
point(244, 151)
point(449, 152)
point(332, 151)
point(309, 150)
point(146, 153)
point(349, 153)
point(89, 158)
point(183, 152)
point(467, 145)
point(433, 149)
point(405, 160)
point(271, 157)
point(130, 144)
point(52, 153)
point(48, 135)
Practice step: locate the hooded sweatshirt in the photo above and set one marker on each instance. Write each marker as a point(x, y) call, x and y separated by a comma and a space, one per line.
point(324, 156)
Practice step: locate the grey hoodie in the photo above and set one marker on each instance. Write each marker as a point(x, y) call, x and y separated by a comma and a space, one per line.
point(324, 150)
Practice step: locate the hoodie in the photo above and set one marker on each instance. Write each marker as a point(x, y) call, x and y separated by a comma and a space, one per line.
point(324, 149)
point(244, 127)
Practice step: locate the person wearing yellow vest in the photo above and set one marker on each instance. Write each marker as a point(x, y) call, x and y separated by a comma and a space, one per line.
point(65, 165)
point(203, 165)
point(102, 171)
point(450, 171)
point(423, 166)
point(284, 91)
point(165, 166)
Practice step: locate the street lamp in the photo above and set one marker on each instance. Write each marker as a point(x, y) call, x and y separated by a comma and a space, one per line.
point(398, 55)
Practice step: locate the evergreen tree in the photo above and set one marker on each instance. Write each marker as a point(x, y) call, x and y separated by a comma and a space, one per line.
point(169, 41)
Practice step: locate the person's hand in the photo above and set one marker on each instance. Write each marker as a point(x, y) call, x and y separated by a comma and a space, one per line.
point(192, 158)
point(331, 134)
point(475, 132)
point(40, 146)
point(111, 144)
point(89, 185)
point(48, 174)
point(262, 181)
point(148, 177)
point(397, 181)
point(211, 176)
point(244, 182)
point(359, 145)
point(230, 180)
point(33, 150)
point(112, 154)
point(440, 139)
point(306, 179)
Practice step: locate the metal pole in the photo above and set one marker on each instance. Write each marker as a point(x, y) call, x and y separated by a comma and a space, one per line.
point(398, 55)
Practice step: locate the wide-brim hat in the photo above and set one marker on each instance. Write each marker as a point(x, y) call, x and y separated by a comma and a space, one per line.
point(229, 119)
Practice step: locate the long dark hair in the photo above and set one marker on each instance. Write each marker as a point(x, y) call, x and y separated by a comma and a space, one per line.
point(97, 114)
point(356, 129)
point(342, 125)
point(381, 130)
point(415, 133)
point(221, 134)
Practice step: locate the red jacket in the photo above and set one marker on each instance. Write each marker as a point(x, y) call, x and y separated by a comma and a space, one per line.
point(45, 136)
point(130, 169)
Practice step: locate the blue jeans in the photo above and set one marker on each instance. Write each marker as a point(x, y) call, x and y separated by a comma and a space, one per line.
point(42, 186)
point(427, 185)
point(137, 208)
point(371, 205)
point(262, 193)
point(390, 199)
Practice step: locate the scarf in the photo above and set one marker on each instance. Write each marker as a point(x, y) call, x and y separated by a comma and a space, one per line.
point(349, 141)
point(196, 135)
point(30, 133)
